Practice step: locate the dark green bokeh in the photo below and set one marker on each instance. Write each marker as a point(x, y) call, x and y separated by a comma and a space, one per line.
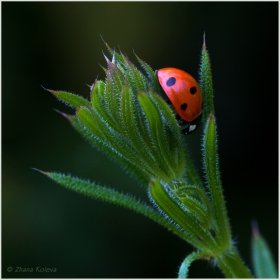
point(58, 45)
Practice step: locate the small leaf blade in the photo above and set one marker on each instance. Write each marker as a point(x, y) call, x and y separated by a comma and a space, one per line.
point(212, 172)
point(71, 99)
point(157, 133)
point(111, 196)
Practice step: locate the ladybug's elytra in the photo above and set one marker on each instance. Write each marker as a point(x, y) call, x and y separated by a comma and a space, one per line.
point(184, 93)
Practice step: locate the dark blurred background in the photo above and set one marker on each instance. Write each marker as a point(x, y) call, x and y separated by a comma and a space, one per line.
point(58, 45)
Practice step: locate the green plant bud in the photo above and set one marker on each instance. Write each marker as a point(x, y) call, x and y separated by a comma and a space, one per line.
point(195, 205)
point(186, 219)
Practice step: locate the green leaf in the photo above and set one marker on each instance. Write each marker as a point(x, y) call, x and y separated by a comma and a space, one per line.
point(157, 133)
point(115, 81)
point(103, 193)
point(151, 74)
point(86, 118)
point(172, 135)
point(263, 263)
point(206, 84)
point(112, 196)
point(117, 78)
point(212, 172)
point(97, 92)
point(100, 99)
point(70, 99)
point(136, 80)
point(184, 268)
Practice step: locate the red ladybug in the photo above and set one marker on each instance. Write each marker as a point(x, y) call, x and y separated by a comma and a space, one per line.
point(184, 93)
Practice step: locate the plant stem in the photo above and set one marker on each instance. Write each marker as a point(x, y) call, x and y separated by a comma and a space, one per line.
point(232, 266)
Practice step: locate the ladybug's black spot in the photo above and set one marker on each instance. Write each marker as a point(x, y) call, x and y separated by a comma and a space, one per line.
point(193, 90)
point(184, 106)
point(171, 81)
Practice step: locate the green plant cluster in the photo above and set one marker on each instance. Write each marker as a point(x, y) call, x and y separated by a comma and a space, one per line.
point(128, 120)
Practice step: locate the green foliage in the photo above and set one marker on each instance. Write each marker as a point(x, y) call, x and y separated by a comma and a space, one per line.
point(128, 121)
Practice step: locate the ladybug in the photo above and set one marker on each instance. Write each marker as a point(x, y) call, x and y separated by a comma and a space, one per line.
point(184, 93)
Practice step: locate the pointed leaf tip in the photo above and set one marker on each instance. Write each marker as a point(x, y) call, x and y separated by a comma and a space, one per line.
point(43, 172)
point(255, 228)
point(52, 91)
point(104, 41)
point(204, 41)
point(114, 57)
point(106, 58)
point(211, 117)
point(67, 116)
point(49, 90)
point(262, 258)
point(101, 38)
